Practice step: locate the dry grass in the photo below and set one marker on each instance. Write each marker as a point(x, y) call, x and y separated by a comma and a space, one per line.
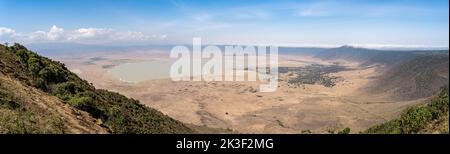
point(234, 105)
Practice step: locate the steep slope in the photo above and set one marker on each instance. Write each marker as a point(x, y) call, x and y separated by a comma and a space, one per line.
point(54, 83)
point(25, 109)
point(419, 77)
point(406, 75)
point(429, 118)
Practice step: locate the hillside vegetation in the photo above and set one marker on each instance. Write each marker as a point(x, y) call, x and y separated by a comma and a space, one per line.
point(50, 79)
point(419, 77)
point(26, 109)
point(429, 118)
point(313, 74)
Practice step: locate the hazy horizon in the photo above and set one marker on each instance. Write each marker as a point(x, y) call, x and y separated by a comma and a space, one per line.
point(368, 24)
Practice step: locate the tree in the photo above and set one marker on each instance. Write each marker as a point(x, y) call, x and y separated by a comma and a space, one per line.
point(34, 65)
point(415, 119)
point(52, 74)
point(345, 131)
point(65, 88)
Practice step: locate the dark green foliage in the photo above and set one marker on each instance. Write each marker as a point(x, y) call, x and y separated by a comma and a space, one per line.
point(439, 106)
point(34, 65)
point(40, 83)
point(128, 115)
point(390, 127)
point(81, 102)
point(65, 90)
point(118, 113)
point(22, 55)
point(41, 72)
point(416, 118)
point(313, 74)
point(17, 47)
point(344, 131)
point(51, 75)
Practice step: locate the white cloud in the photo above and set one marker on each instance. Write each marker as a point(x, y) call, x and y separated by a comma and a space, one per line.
point(37, 36)
point(7, 34)
point(6, 31)
point(88, 33)
point(81, 35)
point(55, 33)
point(139, 36)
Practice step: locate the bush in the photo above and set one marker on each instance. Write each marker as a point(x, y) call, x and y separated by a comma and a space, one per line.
point(439, 106)
point(52, 74)
point(41, 84)
point(344, 131)
point(410, 122)
point(415, 119)
point(22, 55)
point(119, 113)
point(65, 88)
point(391, 127)
point(80, 102)
point(34, 65)
point(58, 124)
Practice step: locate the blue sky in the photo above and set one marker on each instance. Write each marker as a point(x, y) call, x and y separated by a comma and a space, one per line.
point(277, 22)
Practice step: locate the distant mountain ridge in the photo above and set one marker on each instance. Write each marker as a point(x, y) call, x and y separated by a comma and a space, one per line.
point(406, 74)
point(419, 77)
point(372, 56)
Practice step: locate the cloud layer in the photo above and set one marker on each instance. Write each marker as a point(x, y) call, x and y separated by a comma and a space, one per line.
point(81, 35)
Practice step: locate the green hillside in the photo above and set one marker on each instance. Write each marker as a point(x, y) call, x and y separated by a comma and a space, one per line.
point(429, 118)
point(115, 112)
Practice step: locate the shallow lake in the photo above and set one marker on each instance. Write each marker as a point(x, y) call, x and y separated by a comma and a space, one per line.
point(141, 71)
point(148, 70)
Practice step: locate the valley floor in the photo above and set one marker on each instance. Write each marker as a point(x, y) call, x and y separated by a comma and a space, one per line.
point(237, 106)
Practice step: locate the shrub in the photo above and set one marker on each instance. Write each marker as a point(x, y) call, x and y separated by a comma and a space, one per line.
point(344, 131)
point(119, 113)
point(41, 84)
point(80, 102)
point(65, 88)
point(415, 119)
point(439, 106)
point(57, 124)
point(22, 54)
point(34, 65)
